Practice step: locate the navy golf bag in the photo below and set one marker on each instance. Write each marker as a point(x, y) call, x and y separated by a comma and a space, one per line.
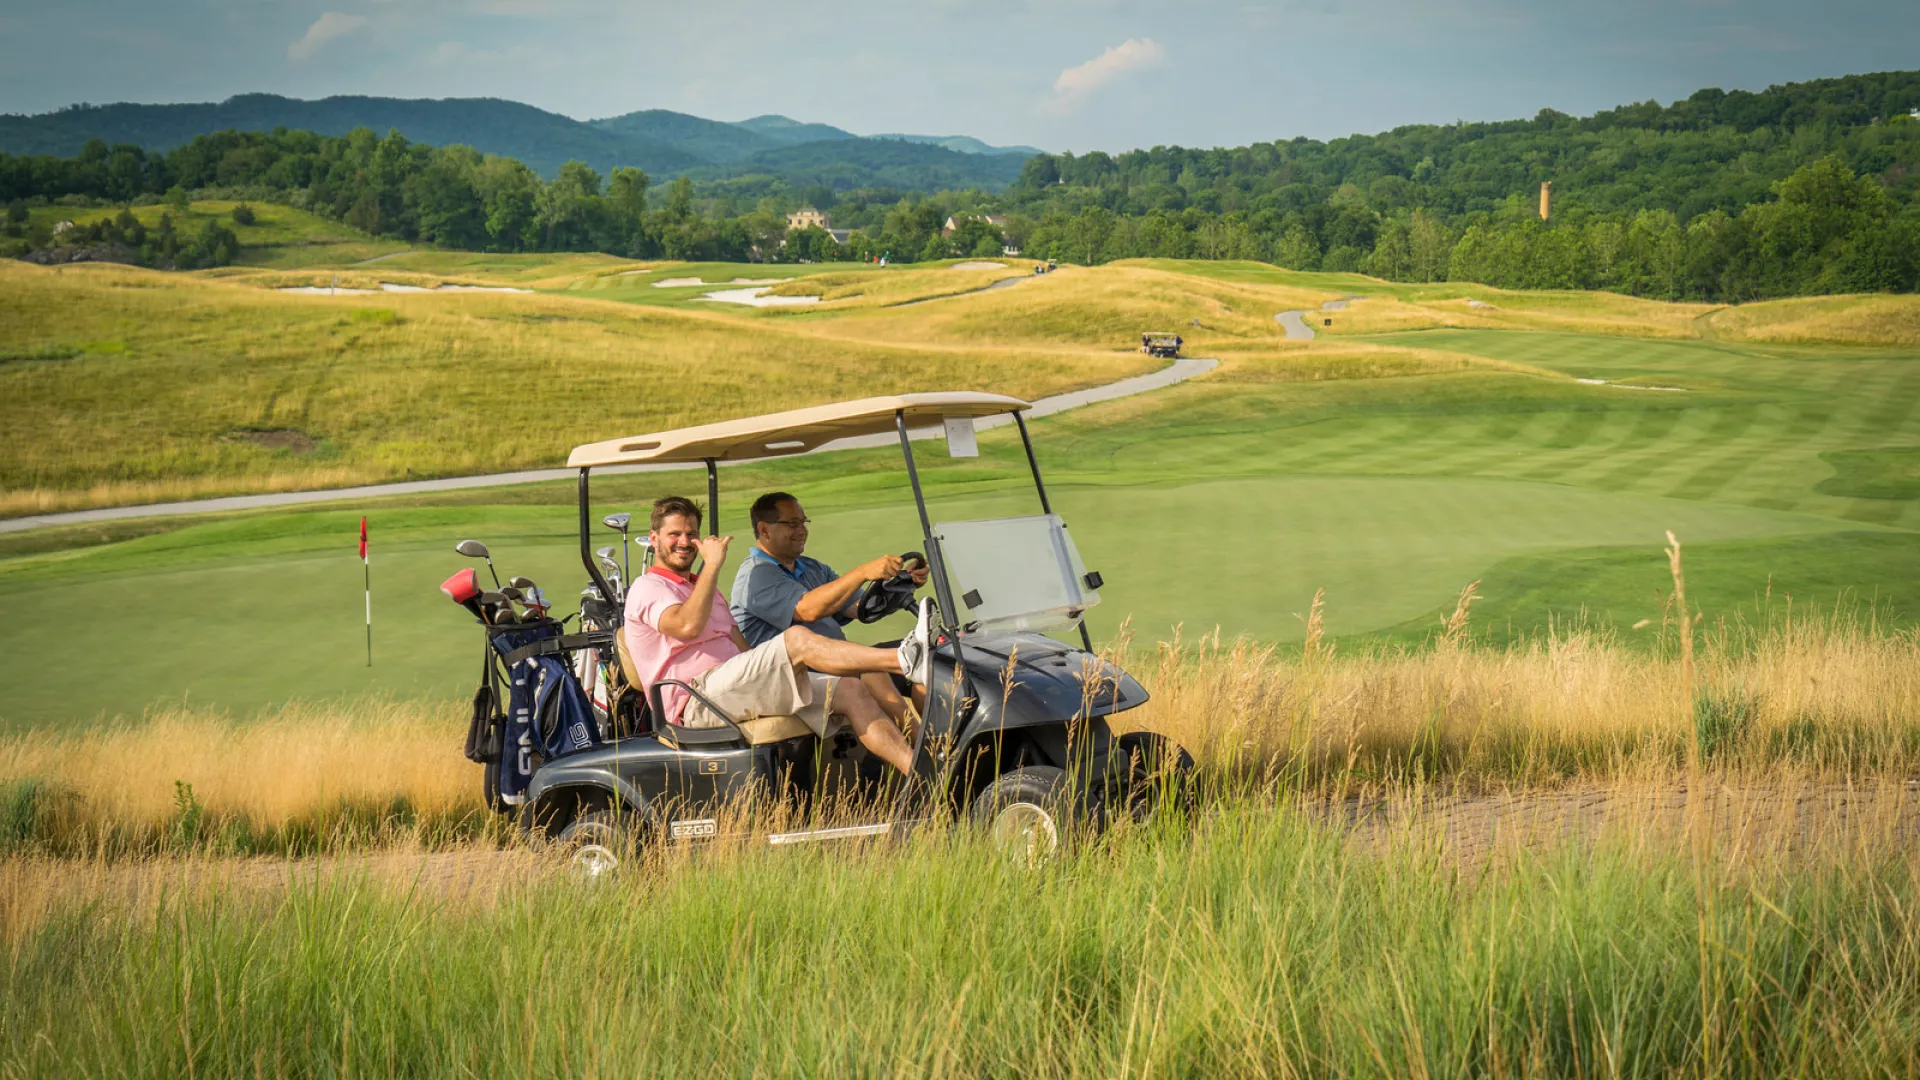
point(548, 714)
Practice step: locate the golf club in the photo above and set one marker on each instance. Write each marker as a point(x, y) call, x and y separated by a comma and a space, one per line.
point(463, 588)
point(645, 543)
point(620, 521)
point(474, 549)
point(498, 609)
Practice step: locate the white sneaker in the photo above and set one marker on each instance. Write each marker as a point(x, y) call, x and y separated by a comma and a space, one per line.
point(916, 649)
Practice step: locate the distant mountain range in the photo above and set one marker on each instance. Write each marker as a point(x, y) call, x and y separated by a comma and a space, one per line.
point(664, 143)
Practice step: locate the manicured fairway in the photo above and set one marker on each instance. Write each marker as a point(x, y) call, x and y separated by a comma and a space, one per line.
point(253, 612)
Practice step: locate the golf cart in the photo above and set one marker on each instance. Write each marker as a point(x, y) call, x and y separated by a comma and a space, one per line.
point(1014, 735)
point(1161, 343)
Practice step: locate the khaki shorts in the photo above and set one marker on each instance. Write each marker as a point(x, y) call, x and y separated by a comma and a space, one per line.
point(762, 682)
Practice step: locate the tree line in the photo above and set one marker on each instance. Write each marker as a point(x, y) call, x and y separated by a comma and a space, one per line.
point(1808, 188)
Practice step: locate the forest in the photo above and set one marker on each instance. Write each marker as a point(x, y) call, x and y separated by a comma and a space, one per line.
point(1724, 196)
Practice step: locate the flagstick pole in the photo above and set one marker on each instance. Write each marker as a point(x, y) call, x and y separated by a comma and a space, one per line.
point(366, 566)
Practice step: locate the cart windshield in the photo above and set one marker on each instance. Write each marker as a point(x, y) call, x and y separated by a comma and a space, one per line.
point(1020, 573)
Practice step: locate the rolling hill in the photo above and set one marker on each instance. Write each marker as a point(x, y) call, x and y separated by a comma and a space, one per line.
point(662, 142)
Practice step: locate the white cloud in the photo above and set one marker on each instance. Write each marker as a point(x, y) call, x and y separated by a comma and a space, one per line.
point(1134, 54)
point(328, 27)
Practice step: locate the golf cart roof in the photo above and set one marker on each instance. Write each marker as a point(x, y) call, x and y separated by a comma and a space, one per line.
point(1159, 333)
point(787, 433)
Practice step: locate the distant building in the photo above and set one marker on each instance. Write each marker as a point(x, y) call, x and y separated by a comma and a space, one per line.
point(998, 221)
point(1546, 198)
point(807, 218)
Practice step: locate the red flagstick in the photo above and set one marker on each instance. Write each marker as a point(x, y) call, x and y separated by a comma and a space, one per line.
point(366, 570)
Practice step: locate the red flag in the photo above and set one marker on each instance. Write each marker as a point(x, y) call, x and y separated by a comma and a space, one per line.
point(363, 538)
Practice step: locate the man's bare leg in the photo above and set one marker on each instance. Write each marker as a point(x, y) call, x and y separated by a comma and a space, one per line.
point(883, 740)
point(888, 696)
point(829, 656)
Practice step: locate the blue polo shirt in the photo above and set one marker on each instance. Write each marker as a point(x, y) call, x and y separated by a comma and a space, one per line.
point(765, 593)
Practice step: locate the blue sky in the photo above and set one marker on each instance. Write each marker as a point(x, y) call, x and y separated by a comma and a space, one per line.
point(1062, 74)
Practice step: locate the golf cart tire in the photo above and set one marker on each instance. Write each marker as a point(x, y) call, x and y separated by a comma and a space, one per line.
point(1031, 801)
point(1158, 773)
point(596, 842)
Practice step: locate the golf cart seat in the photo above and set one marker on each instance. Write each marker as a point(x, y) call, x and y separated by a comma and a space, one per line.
point(759, 730)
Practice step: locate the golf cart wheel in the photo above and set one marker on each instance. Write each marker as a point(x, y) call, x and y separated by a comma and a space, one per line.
point(594, 843)
point(1157, 773)
point(1024, 812)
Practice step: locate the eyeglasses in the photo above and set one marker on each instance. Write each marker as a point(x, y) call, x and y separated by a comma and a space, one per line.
point(796, 523)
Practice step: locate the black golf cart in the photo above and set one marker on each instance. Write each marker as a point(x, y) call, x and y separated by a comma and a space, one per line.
point(1162, 343)
point(1015, 733)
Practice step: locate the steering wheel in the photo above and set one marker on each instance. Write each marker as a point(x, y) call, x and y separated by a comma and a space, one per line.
point(882, 598)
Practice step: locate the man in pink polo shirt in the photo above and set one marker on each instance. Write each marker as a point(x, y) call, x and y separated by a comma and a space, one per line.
point(678, 627)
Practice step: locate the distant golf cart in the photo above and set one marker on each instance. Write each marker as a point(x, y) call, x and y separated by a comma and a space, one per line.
point(1015, 735)
point(1161, 343)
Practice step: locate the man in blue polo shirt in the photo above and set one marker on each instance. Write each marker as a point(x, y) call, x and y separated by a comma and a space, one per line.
point(777, 586)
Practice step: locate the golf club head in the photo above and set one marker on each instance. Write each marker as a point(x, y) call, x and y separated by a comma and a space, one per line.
point(524, 584)
point(605, 553)
point(513, 594)
point(617, 522)
point(463, 588)
point(472, 549)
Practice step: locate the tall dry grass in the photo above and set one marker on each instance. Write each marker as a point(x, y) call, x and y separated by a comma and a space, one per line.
point(1818, 698)
point(1847, 320)
point(129, 384)
point(1800, 699)
point(297, 779)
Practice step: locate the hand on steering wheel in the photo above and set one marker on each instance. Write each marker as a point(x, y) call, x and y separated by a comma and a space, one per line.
point(882, 598)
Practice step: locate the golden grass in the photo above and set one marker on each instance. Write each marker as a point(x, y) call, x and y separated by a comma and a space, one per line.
point(1104, 307)
point(1832, 700)
point(144, 384)
point(842, 290)
point(1802, 701)
point(1849, 320)
point(268, 770)
point(1565, 312)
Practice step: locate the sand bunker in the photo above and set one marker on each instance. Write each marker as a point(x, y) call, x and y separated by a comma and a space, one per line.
point(754, 298)
point(388, 286)
point(978, 266)
point(1631, 386)
point(688, 282)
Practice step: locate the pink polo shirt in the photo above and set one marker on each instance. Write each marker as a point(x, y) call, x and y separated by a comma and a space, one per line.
point(657, 656)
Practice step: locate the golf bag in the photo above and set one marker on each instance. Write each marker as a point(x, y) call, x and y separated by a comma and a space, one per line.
point(548, 714)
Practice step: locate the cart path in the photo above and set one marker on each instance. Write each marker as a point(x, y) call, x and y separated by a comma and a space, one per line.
point(1296, 327)
point(1795, 822)
point(1003, 283)
point(1177, 372)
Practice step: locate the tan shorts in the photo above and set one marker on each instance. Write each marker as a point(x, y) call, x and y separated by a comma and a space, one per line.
point(762, 682)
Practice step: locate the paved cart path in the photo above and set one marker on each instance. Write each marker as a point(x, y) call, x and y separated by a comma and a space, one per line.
point(1296, 327)
point(1178, 371)
point(1003, 283)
